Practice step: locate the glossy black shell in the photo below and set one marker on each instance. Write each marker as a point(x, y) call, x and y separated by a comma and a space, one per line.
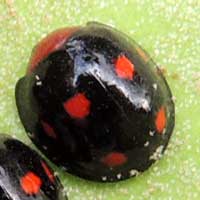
point(117, 138)
point(18, 162)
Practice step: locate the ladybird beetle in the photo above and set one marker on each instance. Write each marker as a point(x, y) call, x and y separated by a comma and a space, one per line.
point(95, 103)
point(24, 175)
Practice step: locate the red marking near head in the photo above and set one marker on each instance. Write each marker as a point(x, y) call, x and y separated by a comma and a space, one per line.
point(31, 183)
point(50, 43)
point(160, 120)
point(78, 106)
point(124, 68)
point(114, 159)
point(48, 130)
point(48, 171)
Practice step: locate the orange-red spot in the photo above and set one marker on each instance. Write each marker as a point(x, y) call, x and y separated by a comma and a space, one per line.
point(48, 44)
point(124, 67)
point(78, 106)
point(114, 159)
point(31, 183)
point(160, 121)
point(48, 130)
point(48, 172)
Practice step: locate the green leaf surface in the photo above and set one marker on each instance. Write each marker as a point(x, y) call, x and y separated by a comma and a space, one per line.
point(170, 32)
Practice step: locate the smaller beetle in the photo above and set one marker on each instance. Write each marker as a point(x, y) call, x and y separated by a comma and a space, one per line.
point(24, 175)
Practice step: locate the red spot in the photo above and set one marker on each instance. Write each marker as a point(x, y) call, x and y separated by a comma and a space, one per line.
point(31, 183)
point(124, 68)
point(114, 159)
point(48, 130)
point(48, 172)
point(160, 121)
point(78, 106)
point(49, 44)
